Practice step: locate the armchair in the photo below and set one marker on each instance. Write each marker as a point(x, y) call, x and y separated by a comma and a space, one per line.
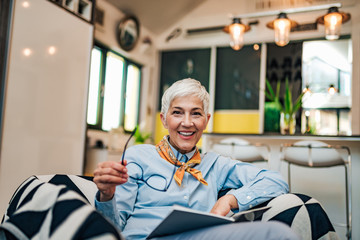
point(63, 205)
point(55, 207)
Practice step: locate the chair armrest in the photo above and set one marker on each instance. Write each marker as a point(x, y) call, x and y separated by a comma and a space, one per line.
point(303, 214)
point(80, 184)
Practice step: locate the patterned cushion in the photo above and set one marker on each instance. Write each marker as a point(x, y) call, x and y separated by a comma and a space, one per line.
point(40, 209)
point(80, 184)
point(303, 214)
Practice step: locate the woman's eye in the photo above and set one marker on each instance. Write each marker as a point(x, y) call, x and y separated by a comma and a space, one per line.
point(176, 112)
point(197, 113)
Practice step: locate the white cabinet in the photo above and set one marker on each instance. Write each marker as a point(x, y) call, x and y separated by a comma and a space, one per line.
point(44, 120)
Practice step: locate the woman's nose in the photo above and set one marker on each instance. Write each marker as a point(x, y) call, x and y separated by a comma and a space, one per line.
point(187, 121)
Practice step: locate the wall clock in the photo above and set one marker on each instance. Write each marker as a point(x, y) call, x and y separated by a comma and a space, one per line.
point(128, 32)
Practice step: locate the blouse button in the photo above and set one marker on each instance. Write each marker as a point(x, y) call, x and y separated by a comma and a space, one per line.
point(185, 197)
point(248, 197)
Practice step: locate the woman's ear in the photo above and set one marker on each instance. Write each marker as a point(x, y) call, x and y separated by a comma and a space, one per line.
point(207, 120)
point(208, 117)
point(163, 120)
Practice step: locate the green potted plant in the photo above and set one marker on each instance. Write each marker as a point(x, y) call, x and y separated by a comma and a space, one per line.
point(141, 137)
point(272, 109)
point(287, 109)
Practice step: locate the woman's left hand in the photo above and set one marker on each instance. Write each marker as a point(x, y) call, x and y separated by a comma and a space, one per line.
point(224, 204)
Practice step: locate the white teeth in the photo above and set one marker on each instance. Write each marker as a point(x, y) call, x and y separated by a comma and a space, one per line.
point(186, 133)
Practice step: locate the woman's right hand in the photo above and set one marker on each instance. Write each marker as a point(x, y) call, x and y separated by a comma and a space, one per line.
point(107, 176)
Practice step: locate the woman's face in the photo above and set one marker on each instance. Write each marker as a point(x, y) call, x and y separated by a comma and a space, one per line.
point(185, 121)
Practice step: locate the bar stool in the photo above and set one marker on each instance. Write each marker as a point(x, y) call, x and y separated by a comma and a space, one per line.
point(317, 154)
point(240, 149)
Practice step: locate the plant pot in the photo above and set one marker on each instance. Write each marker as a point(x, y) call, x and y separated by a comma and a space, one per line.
point(287, 123)
point(272, 117)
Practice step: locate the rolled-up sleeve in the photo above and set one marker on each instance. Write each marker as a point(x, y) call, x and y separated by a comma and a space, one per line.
point(108, 209)
point(251, 185)
point(121, 206)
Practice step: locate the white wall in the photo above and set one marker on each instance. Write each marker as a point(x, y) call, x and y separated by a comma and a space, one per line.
point(44, 120)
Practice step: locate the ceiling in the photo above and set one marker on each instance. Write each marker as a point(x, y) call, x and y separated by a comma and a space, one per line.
point(157, 15)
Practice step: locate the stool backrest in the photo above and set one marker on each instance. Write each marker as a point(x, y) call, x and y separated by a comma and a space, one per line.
point(242, 150)
point(312, 154)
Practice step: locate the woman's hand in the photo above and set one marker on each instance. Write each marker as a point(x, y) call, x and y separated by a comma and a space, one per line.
point(224, 204)
point(107, 176)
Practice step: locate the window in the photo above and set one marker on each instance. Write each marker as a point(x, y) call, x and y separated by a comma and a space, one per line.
point(177, 65)
point(235, 96)
point(237, 78)
point(114, 91)
point(315, 65)
point(326, 64)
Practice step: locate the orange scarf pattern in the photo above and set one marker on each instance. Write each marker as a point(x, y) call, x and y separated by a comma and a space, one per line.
point(164, 149)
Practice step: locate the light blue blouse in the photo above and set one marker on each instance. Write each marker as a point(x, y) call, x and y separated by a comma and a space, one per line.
point(137, 209)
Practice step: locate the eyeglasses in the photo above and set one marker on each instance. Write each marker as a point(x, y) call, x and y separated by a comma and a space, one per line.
point(154, 181)
point(127, 142)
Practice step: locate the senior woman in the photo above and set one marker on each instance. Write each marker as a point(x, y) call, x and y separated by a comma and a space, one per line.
point(139, 193)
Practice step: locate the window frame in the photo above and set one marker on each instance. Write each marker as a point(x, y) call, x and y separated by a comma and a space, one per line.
point(102, 77)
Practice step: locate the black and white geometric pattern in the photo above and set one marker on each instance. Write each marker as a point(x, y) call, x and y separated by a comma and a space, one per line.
point(42, 210)
point(303, 214)
point(57, 207)
point(80, 184)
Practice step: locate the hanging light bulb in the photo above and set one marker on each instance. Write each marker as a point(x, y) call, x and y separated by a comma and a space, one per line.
point(236, 31)
point(307, 92)
point(332, 90)
point(282, 26)
point(306, 89)
point(332, 21)
point(282, 30)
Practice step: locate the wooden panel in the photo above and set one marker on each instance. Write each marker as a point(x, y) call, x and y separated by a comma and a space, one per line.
point(236, 122)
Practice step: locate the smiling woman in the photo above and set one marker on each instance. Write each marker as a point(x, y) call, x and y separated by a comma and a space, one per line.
point(143, 182)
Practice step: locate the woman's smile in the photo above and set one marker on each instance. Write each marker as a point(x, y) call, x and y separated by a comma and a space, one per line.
point(186, 134)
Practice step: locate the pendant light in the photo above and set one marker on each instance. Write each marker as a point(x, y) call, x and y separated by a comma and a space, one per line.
point(236, 31)
point(332, 21)
point(332, 90)
point(306, 89)
point(282, 26)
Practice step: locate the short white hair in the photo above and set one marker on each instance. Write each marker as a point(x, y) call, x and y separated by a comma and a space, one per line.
point(182, 88)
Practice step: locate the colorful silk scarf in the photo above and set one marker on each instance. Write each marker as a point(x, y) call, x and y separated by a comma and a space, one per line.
point(164, 149)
